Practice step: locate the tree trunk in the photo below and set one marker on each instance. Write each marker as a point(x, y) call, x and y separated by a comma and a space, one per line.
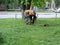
point(52, 4)
point(25, 6)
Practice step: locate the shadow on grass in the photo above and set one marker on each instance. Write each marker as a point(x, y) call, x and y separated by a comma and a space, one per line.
point(2, 39)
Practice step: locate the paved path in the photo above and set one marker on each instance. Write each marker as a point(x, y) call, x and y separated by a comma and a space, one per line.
point(19, 15)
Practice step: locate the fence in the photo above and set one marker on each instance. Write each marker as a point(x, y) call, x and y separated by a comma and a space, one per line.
point(10, 15)
point(48, 15)
point(19, 15)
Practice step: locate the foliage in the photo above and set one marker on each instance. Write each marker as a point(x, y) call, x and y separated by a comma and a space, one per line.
point(57, 2)
point(16, 3)
point(9, 3)
point(38, 3)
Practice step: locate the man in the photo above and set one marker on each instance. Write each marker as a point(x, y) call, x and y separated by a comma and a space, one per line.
point(30, 16)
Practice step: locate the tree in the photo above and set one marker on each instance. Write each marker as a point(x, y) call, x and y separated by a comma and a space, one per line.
point(25, 5)
point(9, 3)
point(28, 3)
point(2, 1)
point(57, 2)
point(39, 3)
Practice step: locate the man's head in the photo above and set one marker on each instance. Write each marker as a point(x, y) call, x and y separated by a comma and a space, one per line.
point(27, 11)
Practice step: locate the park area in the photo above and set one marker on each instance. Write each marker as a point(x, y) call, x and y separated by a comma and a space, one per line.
point(16, 32)
point(29, 22)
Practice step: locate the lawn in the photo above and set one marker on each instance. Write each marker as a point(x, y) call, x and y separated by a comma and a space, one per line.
point(15, 32)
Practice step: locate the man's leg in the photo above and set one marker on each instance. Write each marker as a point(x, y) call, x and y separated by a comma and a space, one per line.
point(34, 18)
point(30, 19)
point(26, 20)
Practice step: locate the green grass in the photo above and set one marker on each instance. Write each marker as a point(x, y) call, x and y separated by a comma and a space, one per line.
point(15, 32)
